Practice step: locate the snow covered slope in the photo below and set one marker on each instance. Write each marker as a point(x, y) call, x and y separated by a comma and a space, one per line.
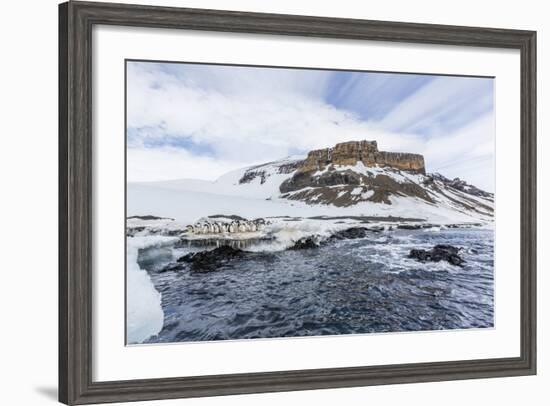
point(258, 182)
point(279, 189)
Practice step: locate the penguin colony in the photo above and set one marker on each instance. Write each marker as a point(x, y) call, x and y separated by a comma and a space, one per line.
point(218, 227)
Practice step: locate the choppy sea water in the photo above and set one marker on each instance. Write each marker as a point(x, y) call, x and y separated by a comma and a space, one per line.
point(345, 287)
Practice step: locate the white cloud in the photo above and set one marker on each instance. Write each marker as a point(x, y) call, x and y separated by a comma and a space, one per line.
point(467, 153)
point(441, 104)
point(249, 116)
point(151, 164)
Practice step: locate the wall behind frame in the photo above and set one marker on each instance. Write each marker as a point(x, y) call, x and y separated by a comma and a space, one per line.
point(28, 168)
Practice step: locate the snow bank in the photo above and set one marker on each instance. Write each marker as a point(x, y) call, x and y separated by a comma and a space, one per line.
point(188, 200)
point(144, 315)
point(139, 227)
point(187, 206)
point(229, 185)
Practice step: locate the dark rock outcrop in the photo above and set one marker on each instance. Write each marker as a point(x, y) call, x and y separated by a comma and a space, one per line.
point(301, 180)
point(328, 176)
point(440, 252)
point(209, 261)
point(346, 188)
point(250, 175)
point(350, 233)
point(263, 171)
point(227, 216)
point(459, 184)
point(150, 217)
point(305, 243)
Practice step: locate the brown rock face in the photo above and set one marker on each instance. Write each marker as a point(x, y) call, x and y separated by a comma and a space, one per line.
point(349, 153)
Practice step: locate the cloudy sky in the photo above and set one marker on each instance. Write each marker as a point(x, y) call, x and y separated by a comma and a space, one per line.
point(201, 121)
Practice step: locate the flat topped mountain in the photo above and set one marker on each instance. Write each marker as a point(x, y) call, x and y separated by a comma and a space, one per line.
point(366, 152)
point(349, 178)
point(342, 175)
point(356, 172)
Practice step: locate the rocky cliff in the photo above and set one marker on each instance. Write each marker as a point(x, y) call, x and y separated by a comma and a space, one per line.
point(357, 173)
point(351, 179)
point(337, 166)
point(352, 152)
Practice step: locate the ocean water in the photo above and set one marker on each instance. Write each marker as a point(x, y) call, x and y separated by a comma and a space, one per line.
point(345, 287)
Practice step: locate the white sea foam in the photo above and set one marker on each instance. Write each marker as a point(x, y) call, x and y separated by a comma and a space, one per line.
point(144, 315)
point(284, 234)
point(432, 229)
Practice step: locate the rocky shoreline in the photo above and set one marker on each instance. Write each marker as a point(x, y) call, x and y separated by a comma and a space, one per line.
point(440, 252)
point(224, 227)
point(222, 240)
point(211, 260)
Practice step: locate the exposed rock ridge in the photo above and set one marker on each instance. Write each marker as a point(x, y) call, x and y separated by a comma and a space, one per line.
point(460, 185)
point(352, 152)
point(330, 175)
point(265, 170)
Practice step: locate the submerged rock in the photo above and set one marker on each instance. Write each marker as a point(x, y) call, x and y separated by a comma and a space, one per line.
point(171, 268)
point(411, 226)
point(350, 233)
point(208, 261)
point(441, 252)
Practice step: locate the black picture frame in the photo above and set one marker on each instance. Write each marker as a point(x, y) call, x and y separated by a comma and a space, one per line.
point(76, 20)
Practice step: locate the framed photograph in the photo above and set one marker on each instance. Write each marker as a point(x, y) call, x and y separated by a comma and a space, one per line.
point(259, 202)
